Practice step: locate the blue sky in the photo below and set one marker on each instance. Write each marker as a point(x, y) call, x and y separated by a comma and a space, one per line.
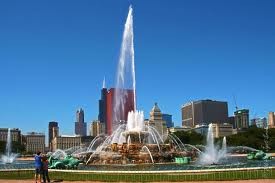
point(54, 55)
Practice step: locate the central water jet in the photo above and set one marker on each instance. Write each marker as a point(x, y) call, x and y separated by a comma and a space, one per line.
point(125, 78)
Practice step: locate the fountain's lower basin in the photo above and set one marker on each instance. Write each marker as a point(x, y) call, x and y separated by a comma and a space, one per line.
point(229, 163)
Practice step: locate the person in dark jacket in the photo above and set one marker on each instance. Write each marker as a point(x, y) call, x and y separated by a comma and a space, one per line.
point(45, 164)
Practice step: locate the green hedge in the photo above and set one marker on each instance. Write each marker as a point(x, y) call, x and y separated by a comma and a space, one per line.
point(142, 177)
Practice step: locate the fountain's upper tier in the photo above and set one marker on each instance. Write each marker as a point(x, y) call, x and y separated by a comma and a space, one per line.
point(135, 121)
point(133, 137)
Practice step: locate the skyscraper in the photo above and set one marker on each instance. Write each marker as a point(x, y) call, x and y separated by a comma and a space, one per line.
point(204, 112)
point(168, 119)
point(115, 114)
point(241, 119)
point(80, 125)
point(96, 128)
point(102, 106)
point(271, 119)
point(53, 125)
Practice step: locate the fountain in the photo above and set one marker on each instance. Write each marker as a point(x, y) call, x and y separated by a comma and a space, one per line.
point(212, 155)
point(133, 141)
point(8, 157)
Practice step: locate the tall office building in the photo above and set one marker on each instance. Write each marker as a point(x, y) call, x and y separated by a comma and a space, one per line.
point(53, 128)
point(80, 125)
point(102, 106)
point(241, 119)
point(115, 114)
point(168, 119)
point(204, 112)
point(271, 119)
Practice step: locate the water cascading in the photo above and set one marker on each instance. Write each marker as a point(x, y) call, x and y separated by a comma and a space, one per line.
point(125, 78)
point(212, 155)
point(8, 145)
point(8, 157)
point(224, 146)
point(135, 121)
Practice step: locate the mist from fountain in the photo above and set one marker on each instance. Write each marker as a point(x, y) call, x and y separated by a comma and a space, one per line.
point(8, 157)
point(59, 154)
point(212, 154)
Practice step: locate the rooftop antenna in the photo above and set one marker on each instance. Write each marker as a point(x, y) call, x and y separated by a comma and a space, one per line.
point(235, 101)
point(104, 83)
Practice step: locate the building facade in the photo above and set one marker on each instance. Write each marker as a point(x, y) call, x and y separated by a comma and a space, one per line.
point(80, 125)
point(35, 142)
point(201, 129)
point(66, 142)
point(231, 120)
point(157, 122)
point(53, 130)
point(241, 119)
point(271, 119)
point(117, 112)
point(14, 132)
point(204, 112)
point(219, 129)
point(168, 119)
point(222, 130)
point(97, 128)
point(259, 122)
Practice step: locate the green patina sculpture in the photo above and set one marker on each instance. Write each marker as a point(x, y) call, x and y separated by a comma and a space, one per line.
point(258, 155)
point(68, 162)
point(183, 160)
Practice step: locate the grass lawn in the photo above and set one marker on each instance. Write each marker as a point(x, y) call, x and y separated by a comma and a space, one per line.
point(145, 177)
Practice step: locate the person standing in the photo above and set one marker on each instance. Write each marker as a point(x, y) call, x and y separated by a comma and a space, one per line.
point(38, 167)
point(45, 164)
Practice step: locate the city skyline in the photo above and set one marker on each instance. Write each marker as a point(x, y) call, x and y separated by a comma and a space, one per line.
point(49, 70)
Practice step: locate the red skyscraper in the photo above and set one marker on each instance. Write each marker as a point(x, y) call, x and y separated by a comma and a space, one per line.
point(121, 110)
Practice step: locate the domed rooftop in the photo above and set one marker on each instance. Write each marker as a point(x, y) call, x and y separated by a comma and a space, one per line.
point(156, 108)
